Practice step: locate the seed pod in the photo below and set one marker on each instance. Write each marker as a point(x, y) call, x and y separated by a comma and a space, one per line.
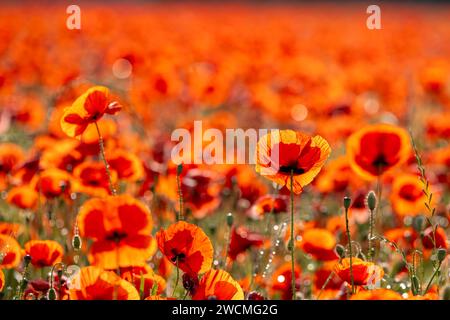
point(441, 253)
point(347, 202)
point(179, 169)
point(340, 250)
point(371, 200)
point(51, 294)
point(27, 260)
point(76, 242)
point(418, 223)
point(230, 219)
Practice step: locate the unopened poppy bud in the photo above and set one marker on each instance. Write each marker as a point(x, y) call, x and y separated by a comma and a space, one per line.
point(27, 260)
point(230, 219)
point(347, 202)
point(340, 250)
point(441, 253)
point(446, 294)
point(76, 242)
point(179, 169)
point(254, 295)
point(415, 284)
point(371, 200)
point(51, 294)
point(418, 223)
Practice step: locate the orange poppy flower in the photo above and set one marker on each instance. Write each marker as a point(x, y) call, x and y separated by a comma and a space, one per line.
point(121, 229)
point(320, 243)
point(407, 196)
point(10, 229)
point(87, 109)
point(44, 253)
point(53, 183)
point(338, 176)
point(91, 178)
point(24, 197)
point(218, 285)
point(376, 294)
point(187, 247)
point(10, 156)
point(321, 276)
point(297, 152)
point(10, 252)
point(62, 154)
point(363, 271)
point(158, 297)
point(274, 204)
point(92, 283)
point(150, 279)
point(376, 149)
point(127, 165)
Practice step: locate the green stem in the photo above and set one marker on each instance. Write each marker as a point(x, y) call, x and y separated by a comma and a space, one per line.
point(432, 277)
point(350, 250)
point(176, 280)
point(105, 162)
point(180, 215)
point(292, 237)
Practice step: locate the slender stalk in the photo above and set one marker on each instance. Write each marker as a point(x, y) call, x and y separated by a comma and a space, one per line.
point(105, 162)
point(436, 271)
point(176, 280)
point(350, 250)
point(371, 227)
point(180, 215)
point(292, 237)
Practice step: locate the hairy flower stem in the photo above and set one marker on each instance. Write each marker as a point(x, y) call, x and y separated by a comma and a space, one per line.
point(349, 250)
point(176, 280)
point(105, 162)
point(436, 271)
point(291, 241)
point(180, 215)
point(371, 226)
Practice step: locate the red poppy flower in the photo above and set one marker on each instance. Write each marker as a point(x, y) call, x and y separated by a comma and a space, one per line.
point(282, 280)
point(439, 238)
point(44, 253)
point(269, 204)
point(127, 165)
point(376, 294)
point(376, 149)
point(298, 153)
point(187, 247)
point(121, 229)
point(218, 285)
point(53, 183)
point(243, 239)
point(87, 109)
point(92, 283)
point(363, 271)
point(24, 197)
point(91, 178)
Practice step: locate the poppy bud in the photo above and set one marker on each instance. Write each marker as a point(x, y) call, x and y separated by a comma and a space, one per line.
point(254, 295)
point(446, 294)
point(418, 223)
point(347, 202)
point(51, 294)
point(441, 253)
point(190, 282)
point(179, 169)
point(230, 219)
point(415, 284)
point(27, 260)
point(371, 200)
point(340, 250)
point(76, 242)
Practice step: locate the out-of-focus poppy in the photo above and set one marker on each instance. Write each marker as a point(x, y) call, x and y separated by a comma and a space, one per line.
point(127, 165)
point(62, 154)
point(87, 109)
point(10, 229)
point(282, 279)
point(375, 149)
point(363, 271)
point(268, 204)
point(91, 178)
point(338, 176)
point(53, 183)
point(121, 229)
point(24, 197)
point(298, 153)
point(10, 252)
point(44, 253)
point(320, 243)
point(407, 197)
point(92, 283)
point(321, 276)
point(149, 280)
point(218, 285)
point(376, 294)
point(403, 237)
point(438, 237)
point(2, 280)
point(11, 155)
point(187, 247)
point(243, 239)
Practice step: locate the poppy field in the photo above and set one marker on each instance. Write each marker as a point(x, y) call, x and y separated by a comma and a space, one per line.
point(348, 196)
